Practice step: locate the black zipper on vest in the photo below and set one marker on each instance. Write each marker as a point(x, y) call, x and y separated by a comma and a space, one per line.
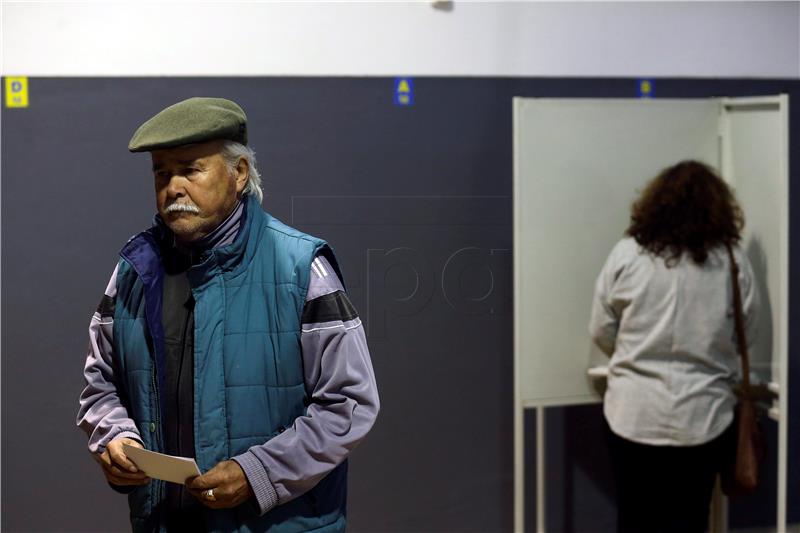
point(157, 433)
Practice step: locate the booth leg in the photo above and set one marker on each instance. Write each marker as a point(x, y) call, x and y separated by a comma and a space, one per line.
point(718, 513)
point(540, 461)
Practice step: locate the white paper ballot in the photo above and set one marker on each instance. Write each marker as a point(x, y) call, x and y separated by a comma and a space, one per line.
point(160, 466)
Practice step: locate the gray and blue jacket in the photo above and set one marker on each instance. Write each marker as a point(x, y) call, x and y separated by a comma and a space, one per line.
point(272, 391)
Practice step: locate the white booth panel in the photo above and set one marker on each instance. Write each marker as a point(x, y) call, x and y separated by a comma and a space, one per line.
point(579, 163)
point(754, 161)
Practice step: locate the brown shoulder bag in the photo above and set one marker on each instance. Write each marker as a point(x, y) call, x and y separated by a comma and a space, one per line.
point(741, 477)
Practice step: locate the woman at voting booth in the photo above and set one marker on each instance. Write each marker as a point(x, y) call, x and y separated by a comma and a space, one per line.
point(663, 312)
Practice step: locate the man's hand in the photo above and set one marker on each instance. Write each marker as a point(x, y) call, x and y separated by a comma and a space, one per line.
point(118, 469)
point(228, 483)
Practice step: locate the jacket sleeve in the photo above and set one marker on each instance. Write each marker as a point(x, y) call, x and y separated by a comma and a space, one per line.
point(343, 398)
point(101, 414)
point(751, 301)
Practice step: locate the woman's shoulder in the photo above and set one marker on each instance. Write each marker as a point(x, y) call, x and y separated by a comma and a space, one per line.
point(719, 256)
point(626, 248)
point(743, 261)
point(628, 244)
point(624, 253)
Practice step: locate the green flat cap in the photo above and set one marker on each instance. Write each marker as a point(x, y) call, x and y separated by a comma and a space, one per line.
point(194, 120)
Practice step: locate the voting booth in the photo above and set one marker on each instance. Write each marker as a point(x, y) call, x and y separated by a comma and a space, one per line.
point(578, 166)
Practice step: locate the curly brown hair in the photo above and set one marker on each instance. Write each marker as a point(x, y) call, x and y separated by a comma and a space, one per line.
point(686, 208)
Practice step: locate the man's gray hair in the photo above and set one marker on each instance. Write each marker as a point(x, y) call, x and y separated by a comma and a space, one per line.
point(232, 152)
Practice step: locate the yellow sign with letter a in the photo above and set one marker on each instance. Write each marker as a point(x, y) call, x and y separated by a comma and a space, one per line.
point(17, 92)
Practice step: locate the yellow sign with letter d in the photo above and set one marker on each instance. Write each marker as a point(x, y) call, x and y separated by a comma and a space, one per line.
point(17, 92)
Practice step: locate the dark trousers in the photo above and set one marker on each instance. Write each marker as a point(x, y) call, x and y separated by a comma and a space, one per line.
point(666, 488)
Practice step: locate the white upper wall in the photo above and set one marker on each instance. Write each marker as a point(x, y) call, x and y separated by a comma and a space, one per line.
point(684, 39)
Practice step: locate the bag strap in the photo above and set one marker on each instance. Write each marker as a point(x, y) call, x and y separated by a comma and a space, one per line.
point(738, 317)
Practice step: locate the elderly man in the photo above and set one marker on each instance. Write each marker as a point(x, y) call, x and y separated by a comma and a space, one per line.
point(226, 336)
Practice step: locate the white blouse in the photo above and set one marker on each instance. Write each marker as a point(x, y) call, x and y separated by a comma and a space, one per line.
point(670, 334)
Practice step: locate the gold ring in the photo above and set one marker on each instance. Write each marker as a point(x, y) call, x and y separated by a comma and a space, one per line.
point(209, 494)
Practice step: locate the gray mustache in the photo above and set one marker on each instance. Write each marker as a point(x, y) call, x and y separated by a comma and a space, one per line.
point(188, 208)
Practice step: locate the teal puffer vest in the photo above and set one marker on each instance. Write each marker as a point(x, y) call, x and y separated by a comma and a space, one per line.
point(248, 384)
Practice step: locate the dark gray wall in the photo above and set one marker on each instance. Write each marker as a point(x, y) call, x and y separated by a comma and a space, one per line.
point(416, 201)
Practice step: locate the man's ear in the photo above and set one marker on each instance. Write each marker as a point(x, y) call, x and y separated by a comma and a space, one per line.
point(241, 174)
